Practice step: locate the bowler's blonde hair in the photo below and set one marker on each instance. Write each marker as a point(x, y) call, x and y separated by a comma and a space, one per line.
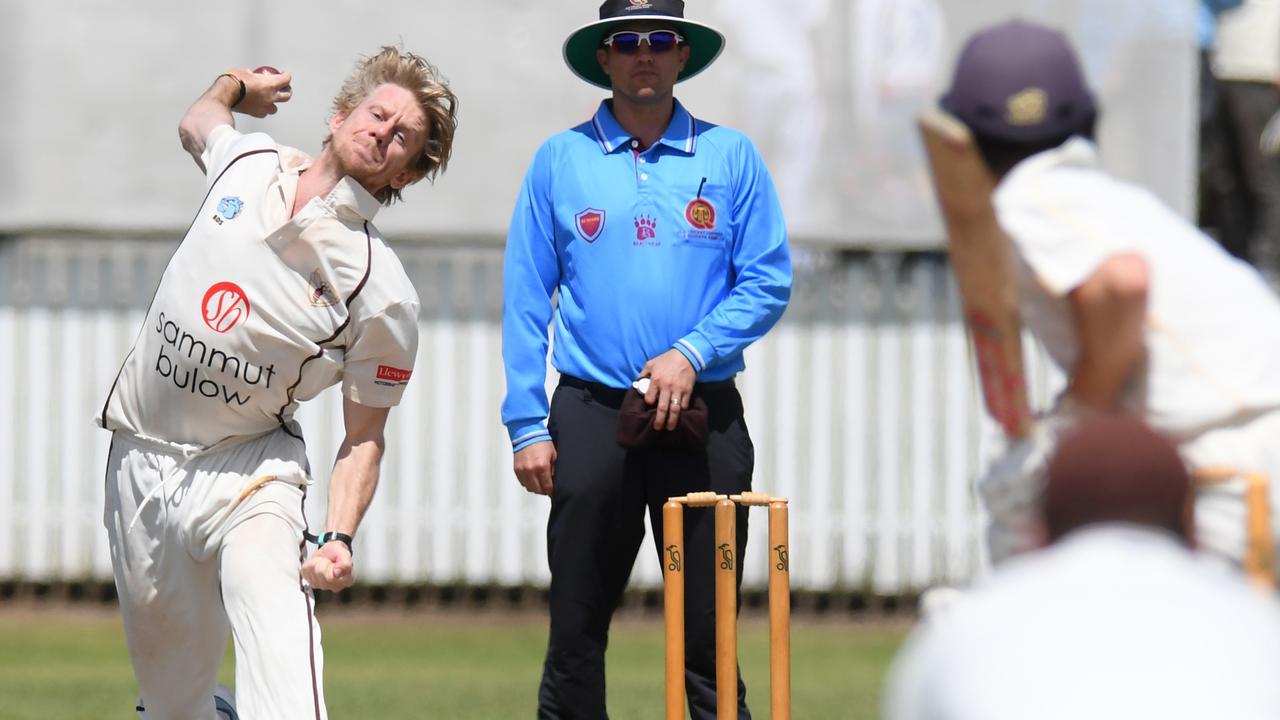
point(413, 73)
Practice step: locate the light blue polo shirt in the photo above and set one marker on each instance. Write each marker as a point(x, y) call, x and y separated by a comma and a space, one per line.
point(682, 245)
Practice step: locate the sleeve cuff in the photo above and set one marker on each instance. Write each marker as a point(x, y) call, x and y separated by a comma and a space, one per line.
point(522, 440)
point(695, 350)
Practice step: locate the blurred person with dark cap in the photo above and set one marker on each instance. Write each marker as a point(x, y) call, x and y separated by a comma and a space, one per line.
point(661, 238)
point(1141, 310)
point(1115, 617)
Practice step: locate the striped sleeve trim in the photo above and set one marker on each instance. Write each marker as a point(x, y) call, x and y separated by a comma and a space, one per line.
point(691, 352)
point(528, 439)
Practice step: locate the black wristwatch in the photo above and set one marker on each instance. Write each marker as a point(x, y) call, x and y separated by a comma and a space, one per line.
point(330, 535)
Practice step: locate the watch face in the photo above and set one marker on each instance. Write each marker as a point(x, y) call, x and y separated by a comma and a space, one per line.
point(330, 536)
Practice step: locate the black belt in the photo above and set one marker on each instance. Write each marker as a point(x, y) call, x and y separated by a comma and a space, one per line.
point(613, 396)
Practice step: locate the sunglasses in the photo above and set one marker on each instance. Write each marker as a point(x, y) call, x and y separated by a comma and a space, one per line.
point(627, 42)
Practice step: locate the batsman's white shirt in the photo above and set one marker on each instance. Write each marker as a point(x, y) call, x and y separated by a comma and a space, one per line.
point(1211, 379)
point(258, 311)
point(1213, 325)
point(1112, 622)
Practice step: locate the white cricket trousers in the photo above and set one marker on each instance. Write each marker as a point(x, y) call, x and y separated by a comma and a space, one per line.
point(193, 560)
point(1249, 446)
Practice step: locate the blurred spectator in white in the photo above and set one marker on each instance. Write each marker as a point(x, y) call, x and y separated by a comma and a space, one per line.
point(896, 57)
point(784, 107)
point(1116, 617)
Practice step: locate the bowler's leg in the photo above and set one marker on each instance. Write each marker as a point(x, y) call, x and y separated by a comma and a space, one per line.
point(279, 664)
point(173, 620)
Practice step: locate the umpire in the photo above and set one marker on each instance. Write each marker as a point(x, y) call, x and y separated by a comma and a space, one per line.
point(663, 237)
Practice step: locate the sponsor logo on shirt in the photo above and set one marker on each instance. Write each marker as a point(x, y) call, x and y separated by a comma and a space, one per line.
point(646, 230)
point(196, 365)
point(321, 292)
point(229, 208)
point(392, 376)
point(590, 224)
point(701, 214)
point(225, 305)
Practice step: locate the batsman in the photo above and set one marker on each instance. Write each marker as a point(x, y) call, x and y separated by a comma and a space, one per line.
point(1143, 312)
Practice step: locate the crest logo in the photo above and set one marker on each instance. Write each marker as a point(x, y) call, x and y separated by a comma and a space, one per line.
point(321, 292)
point(646, 227)
point(640, 4)
point(701, 214)
point(230, 206)
point(590, 224)
point(1028, 107)
point(225, 305)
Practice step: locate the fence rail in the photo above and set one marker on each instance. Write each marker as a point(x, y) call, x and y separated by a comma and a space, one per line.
point(861, 403)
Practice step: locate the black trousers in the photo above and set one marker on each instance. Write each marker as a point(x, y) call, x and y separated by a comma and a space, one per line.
point(1240, 186)
point(598, 502)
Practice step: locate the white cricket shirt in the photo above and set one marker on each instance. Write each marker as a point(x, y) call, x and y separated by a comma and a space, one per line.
point(1213, 326)
point(1114, 622)
point(257, 311)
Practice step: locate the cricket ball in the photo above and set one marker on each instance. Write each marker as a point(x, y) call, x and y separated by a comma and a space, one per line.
point(268, 70)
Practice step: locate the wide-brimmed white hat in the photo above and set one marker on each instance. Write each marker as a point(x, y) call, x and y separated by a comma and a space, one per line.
point(704, 41)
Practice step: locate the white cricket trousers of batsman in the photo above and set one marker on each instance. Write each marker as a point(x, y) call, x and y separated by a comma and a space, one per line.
point(1251, 445)
point(197, 564)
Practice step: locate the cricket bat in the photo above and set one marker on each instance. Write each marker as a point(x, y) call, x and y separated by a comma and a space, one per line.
point(982, 260)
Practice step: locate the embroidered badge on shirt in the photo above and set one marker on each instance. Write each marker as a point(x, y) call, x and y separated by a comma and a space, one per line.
point(229, 208)
point(225, 305)
point(590, 224)
point(701, 214)
point(321, 291)
point(646, 228)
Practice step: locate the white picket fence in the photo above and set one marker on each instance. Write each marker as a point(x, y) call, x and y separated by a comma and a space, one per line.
point(861, 404)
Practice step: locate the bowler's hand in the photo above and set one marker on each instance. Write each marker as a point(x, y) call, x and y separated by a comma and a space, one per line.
point(534, 467)
point(263, 91)
point(671, 379)
point(329, 567)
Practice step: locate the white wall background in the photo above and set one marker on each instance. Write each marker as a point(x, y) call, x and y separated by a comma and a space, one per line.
point(828, 89)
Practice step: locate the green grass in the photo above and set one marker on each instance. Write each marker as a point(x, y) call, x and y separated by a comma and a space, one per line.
point(72, 664)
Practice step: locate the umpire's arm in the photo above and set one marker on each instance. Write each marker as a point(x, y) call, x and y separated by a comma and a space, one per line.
point(355, 477)
point(762, 269)
point(530, 275)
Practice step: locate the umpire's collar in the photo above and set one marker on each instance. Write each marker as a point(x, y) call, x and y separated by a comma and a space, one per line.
point(680, 135)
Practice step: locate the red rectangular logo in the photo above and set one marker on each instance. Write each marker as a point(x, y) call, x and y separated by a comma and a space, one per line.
point(394, 374)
